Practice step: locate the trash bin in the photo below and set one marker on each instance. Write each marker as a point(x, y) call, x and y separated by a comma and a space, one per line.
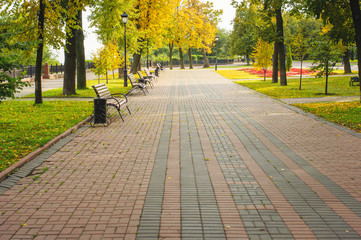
point(100, 110)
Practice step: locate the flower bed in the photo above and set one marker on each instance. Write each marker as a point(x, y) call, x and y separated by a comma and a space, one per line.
point(292, 72)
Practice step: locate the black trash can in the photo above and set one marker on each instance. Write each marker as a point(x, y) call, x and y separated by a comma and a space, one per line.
point(100, 110)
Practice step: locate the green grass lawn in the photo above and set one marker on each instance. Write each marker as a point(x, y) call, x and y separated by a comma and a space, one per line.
point(345, 113)
point(25, 127)
point(114, 86)
point(311, 87)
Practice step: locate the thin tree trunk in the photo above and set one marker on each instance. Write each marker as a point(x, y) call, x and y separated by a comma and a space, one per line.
point(326, 87)
point(264, 74)
point(247, 59)
point(300, 76)
point(70, 64)
point(205, 59)
point(281, 45)
point(356, 16)
point(275, 64)
point(80, 55)
point(346, 62)
point(190, 58)
point(39, 55)
point(181, 58)
point(171, 55)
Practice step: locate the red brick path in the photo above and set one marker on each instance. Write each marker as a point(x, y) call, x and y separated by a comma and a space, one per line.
point(95, 186)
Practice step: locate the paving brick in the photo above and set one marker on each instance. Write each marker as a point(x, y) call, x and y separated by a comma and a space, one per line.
point(199, 158)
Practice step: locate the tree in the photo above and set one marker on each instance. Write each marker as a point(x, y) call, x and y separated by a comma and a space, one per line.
point(39, 21)
point(356, 16)
point(280, 43)
point(8, 85)
point(80, 55)
point(70, 60)
point(325, 54)
point(300, 50)
point(244, 33)
point(299, 31)
point(263, 56)
point(74, 50)
point(338, 14)
point(107, 58)
point(289, 59)
point(39, 53)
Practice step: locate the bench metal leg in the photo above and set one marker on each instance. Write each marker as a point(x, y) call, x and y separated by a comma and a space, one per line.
point(129, 110)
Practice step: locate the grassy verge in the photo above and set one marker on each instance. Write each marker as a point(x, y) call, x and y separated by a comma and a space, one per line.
point(347, 114)
point(114, 86)
point(311, 87)
point(25, 127)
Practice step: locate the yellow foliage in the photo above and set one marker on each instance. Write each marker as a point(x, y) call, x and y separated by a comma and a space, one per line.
point(262, 54)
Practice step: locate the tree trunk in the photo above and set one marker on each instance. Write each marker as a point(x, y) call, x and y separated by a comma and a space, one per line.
point(326, 87)
point(356, 16)
point(346, 62)
point(190, 58)
point(171, 55)
point(181, 58)
point(264, 74)
point(121, 72)
point(205, 59)
point(281, 47)
point(70, 64)
point(80, 55)
point(136, 63)
point(247, 59)
point(275, 64)
point(300, 87)
point(39, 55)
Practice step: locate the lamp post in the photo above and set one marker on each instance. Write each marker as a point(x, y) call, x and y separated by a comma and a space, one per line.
point(217, 38)
point(125, 19)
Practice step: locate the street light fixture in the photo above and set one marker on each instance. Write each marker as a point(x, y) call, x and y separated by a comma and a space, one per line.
point(125, 20)
point(217, 38)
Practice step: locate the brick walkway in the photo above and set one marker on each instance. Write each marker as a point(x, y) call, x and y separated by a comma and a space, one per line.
point(199, 158)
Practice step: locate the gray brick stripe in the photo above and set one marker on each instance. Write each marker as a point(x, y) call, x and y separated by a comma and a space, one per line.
point(245, 189)
point(306, 203)
point(311, 208)
point(200, 215)
point(334, 188)
point(151, 215)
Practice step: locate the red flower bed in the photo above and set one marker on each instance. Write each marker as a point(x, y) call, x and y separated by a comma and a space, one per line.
point(292, 72)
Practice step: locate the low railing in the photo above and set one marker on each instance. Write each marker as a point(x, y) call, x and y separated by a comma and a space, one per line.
point(53, 69)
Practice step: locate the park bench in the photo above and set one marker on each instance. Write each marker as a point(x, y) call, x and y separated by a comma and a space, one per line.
point(144, 80)
point(354, 80)
point(160, 66)
point(116, 100)
point(150, 75)
point(157, 69)
point(136, 85)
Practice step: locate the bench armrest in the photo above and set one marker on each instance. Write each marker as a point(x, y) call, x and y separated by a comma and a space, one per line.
point(116, 94)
